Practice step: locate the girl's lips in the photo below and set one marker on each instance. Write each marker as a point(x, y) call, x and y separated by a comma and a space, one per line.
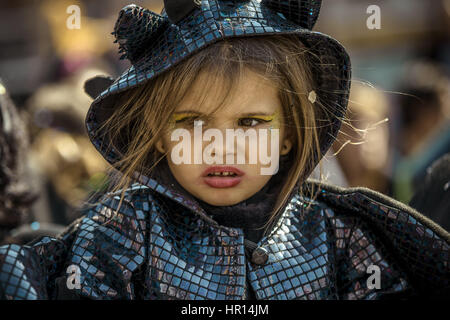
point(222, 182)
point(232, 177)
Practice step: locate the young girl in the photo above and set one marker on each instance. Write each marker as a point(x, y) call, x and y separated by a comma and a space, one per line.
point(194, 217)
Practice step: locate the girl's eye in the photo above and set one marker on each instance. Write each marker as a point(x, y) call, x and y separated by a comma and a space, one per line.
point(251, 122)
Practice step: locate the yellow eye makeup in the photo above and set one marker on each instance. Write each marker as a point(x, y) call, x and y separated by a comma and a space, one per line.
point(180, 117)
point(264, 118)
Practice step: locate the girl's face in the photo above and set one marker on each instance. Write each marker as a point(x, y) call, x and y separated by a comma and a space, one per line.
point(255, 106)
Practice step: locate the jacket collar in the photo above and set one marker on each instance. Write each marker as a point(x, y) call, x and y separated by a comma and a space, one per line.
point(162, 182)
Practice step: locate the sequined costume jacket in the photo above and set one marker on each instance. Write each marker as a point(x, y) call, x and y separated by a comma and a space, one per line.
point(346, 244)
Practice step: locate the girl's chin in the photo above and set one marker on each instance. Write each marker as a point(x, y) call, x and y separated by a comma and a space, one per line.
point(222, 204)
point(219, 199)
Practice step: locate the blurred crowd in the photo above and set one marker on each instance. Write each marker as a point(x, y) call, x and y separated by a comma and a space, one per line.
point(396, 139)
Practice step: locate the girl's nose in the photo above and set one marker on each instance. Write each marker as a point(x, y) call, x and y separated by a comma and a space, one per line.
point(218, 146)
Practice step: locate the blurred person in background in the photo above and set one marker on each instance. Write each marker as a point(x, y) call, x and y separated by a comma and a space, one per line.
point(46, 65)
point(422, 131)
point(27, 54)
point(66, 166)
point(362, 146)
point(16, 195)
point(20, 196)
point(432, 197)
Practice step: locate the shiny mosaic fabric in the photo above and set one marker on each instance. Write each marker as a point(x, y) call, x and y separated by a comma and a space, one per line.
point(155, 247)
point(155, 43)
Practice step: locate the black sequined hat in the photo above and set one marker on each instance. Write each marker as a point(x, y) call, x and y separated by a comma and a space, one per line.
point(154, 43)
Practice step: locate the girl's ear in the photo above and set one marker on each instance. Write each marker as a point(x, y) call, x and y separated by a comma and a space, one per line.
point(160, 146)
point(288, 142)
point(287, 146)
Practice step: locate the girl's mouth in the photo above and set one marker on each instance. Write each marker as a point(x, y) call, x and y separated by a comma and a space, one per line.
point(222, 177)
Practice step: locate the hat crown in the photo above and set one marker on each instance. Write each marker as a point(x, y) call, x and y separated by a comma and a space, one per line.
point(176, 10)
point(302, 12)
point(137, 26)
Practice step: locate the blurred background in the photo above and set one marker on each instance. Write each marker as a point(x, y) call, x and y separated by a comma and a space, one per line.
point(395, 142)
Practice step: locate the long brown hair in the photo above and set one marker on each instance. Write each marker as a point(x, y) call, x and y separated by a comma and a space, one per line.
point(142, 113)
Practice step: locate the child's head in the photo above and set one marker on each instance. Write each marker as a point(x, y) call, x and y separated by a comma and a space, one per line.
point(241, 83)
